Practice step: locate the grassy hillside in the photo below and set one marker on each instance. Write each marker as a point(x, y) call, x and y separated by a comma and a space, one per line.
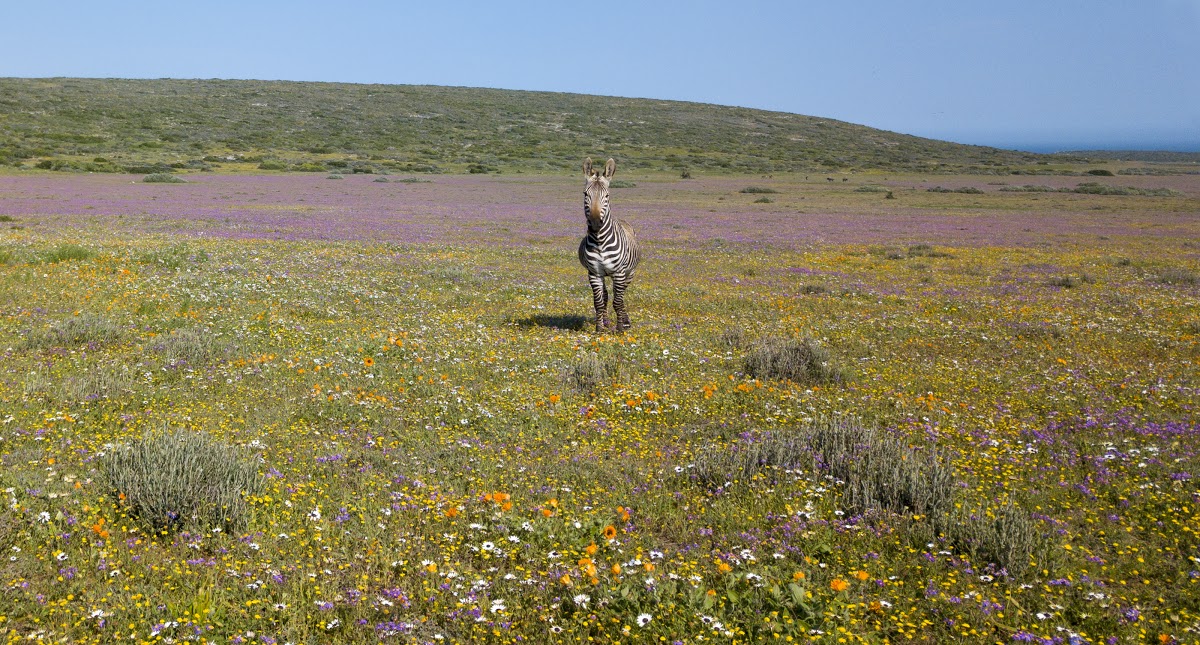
point(117, 125)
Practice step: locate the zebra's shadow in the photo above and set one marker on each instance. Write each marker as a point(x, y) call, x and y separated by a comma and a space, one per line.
point(569, 322)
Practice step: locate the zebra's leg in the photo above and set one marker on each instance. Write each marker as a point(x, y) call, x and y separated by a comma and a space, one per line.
point(620, 281)
point(600, 300)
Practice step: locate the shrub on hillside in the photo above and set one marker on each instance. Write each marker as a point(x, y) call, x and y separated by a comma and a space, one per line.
point(881, 471)
point(163, 178)
point(182, 479)
point(801, 361)
point(586, 372)
point(77, 330)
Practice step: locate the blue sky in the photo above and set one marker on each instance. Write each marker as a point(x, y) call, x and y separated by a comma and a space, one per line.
point(1041, 75)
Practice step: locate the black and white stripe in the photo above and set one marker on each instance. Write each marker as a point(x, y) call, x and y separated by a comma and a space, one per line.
point(609, 249)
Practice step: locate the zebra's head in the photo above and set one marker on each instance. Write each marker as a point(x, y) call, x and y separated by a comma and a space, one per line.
point(595, 192)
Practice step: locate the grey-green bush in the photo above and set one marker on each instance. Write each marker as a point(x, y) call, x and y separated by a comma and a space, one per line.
point(586, 372)
point(716, 465)
point(163, 178)
point(182, 480)
point(75, 330)
point(1005, 537)
point(800, 361)
point(883, 472)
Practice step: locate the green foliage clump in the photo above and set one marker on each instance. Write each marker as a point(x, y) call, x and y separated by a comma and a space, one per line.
point(587, 371)
point(757, 190)
point(800, 361)
point(967, 190)
point(65, 252)
point(76, 330)
point(182, 479)
point(1005, 537)
point(881, 471)
point(189, 347)
point(163, 178)
point(1178, 275)
point(733, 337)
point(716, 466)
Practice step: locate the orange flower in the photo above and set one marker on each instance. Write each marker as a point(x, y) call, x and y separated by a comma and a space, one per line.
point(624, 513)
point(431, 568)
point(368, 361)
point(876, 606)
point(591, 549)
point(547, 512)
point(837, 584)
point(616, 569)
point(649, 566)
point(723, 567)
point(506, 506)
point(554, 398)
point(862, 575)
point(610, 532)
point(452, 512)
point(798, 576)
point(565, 579)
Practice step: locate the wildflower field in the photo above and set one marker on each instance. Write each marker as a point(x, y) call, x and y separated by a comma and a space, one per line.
point(997, 441)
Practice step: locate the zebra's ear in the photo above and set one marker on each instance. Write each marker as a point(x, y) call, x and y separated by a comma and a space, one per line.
point(587, 167)
point(610, 168)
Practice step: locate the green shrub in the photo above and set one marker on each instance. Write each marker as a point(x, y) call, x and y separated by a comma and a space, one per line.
point(1178, 275)
point(969, 190)
point(1028, 188)
point(1100, 172)
point(714, 466)
point(764, 200)
point(64, 252)
point(76, 330)
point(1005, 537)
point(272, 165)
point(586, 372)
point(182, 480)
point(756, 190)
point(801, 361)
point(733, 337)
point(881, 471)
point(163, 178)
point(188, 347)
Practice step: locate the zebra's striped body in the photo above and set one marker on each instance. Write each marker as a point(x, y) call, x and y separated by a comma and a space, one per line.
point(609, 249)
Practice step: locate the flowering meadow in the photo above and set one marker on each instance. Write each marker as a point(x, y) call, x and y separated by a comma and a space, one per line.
point(449, 453)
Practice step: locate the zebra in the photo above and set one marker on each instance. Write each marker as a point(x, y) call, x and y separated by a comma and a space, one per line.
point(608, 249)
